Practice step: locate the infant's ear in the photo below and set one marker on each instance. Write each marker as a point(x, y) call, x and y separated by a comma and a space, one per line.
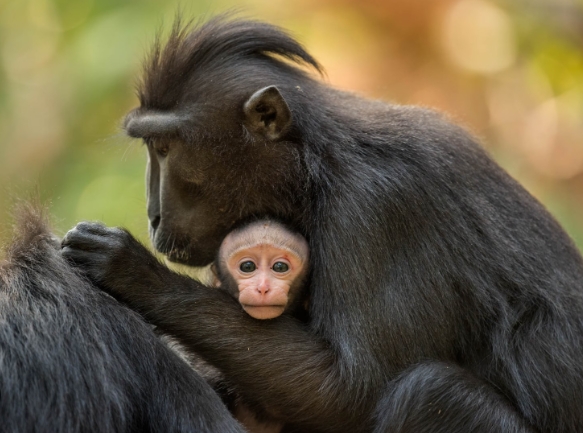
point(214, 277)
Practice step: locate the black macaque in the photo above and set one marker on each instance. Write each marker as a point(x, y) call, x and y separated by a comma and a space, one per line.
point(264, 266)
point(72, 359)
point(443, 297)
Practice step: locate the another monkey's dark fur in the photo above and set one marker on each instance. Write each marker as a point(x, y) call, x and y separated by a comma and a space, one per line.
point(443, 297)
point(73, 359)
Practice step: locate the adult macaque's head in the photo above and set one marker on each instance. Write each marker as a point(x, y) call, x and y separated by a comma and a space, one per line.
point(263, 265)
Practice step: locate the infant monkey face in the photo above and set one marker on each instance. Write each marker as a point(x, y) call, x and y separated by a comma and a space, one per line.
point(265, 276)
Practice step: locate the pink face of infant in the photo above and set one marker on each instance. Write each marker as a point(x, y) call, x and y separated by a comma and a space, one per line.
point(268, 263)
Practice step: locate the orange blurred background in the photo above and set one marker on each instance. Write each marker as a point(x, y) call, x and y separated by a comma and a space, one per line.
point(510, 71)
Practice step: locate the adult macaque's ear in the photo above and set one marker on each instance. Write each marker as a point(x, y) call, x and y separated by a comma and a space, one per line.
point(267, 113)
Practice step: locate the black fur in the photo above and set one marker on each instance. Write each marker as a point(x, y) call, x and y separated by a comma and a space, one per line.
point(437, 281)
point(72, 359)
point(168, 69)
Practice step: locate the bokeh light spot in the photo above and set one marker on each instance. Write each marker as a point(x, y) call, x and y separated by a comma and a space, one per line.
point(112, 199)
point(479, 36)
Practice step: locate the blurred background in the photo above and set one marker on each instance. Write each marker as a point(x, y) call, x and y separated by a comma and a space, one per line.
point(510, 71)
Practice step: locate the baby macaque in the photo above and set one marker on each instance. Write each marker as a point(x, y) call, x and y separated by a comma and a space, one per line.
point(264, 266)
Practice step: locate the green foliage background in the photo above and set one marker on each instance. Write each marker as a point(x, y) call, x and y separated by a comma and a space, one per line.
point(68, 68)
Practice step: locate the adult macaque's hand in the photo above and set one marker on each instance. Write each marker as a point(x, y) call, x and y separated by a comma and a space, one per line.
point(109, 256)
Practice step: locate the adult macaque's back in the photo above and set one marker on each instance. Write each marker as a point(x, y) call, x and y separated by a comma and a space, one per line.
point(443, 297)
point(72, 359)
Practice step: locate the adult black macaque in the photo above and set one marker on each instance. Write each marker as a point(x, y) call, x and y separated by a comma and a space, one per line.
point(443, 297)
point(72, 359)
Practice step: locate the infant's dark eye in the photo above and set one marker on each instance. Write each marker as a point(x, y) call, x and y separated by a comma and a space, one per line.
point(247, 266)
point(280, 267)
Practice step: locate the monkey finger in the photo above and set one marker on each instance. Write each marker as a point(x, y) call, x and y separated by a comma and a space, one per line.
point(80, 257)
point(77, 239)
point(91, 265)
point(92, 227)
point(95, 227)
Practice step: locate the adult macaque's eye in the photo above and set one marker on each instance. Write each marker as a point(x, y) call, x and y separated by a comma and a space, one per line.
point(162, 150)
point(247, 266)
point(280, 267)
